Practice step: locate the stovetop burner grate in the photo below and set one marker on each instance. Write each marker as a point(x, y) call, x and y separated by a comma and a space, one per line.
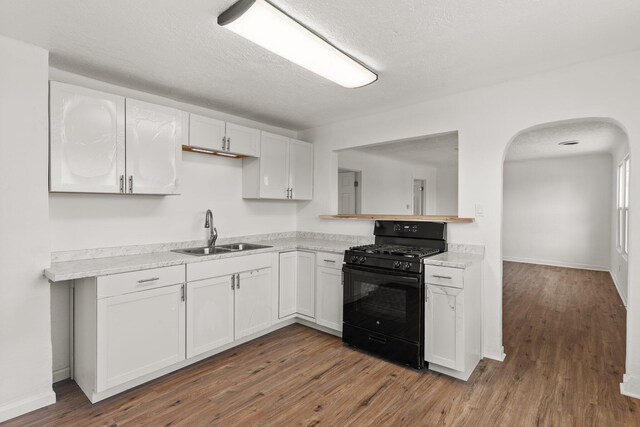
point(398, 250)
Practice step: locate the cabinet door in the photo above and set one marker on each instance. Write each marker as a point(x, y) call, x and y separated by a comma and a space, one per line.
point(87, 131)
point(243, 140)
point(444, 333)
point(205, 132)
point(252, 302)
point(274, 166)
point(154, 139)
point(329, 298)
point(139, 333)
point(287, 284)
point(301, 170)
point(306, 284)
point(209, 314)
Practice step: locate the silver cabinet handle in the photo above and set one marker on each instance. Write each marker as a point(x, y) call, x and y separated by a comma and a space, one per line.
point(131, 184)
point(238, 281)
point(437, 276)
point(224, 143)
point(122, 183)
point(330, 260)
point(153, 279)
point(287, 192)
point(233, 282)
point(182, 293)
point(228, 143)
point(291, 193)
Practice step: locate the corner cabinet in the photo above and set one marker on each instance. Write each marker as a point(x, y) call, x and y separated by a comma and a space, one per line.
point(213, 134)
point(284, 170)
point(452, 320)
point(98, 148)
point(296, 290)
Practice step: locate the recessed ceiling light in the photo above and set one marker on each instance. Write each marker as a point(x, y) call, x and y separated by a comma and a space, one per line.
point(264, 24)
point(569, 143)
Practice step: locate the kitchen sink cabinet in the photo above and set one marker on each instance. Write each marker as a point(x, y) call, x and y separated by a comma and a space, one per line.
point(99, 146)
point(452, 319)
point(283, 171)
point(217, 135)
point(297, 284)
point(329, 291)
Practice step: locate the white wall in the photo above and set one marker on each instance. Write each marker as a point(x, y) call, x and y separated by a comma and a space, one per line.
point(487, 119)
point(387, 184)
point(619, 264)
point(557, 211)
point(25, 325)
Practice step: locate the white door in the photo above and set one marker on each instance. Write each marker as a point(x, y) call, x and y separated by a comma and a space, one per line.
point(274, 166)
point(287, 288)
point(205, 132)
point(329, 298)
point(252, 302)
point(154, 144)
point(306, 284)
point(87, 133)
point(301, 170)
point(210, 309)
point(444, 334)
point(139, 333)
point(347, 193)
point(243, 140)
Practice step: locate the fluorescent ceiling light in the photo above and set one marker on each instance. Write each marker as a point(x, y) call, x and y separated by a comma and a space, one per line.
point(267, 26)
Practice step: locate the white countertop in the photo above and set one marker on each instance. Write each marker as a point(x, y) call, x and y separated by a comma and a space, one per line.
point(454, 259)
point(77, 269)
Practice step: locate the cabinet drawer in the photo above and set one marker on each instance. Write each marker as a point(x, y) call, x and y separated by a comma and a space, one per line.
point(325, 259)
point(445, 276)
point(123, 283)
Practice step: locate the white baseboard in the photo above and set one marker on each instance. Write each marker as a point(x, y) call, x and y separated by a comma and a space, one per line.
point(496, 356)
point(61, 374)
point(630, 386)
point(623, 297)
point(28, 404)
point(553, 263)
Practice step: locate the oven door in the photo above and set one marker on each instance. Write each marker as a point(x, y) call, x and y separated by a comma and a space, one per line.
point(383, 301)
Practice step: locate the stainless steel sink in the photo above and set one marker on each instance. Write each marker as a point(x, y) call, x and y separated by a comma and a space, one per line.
point(242, 246)
point(203, 251)
point(221, 249)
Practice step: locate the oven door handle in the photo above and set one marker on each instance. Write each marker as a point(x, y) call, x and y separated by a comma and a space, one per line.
point(380, 273)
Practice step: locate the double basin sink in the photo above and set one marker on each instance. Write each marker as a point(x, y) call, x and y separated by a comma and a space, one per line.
point(222, 249)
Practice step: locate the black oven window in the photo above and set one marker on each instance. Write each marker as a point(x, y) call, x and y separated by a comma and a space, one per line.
point(381, 302)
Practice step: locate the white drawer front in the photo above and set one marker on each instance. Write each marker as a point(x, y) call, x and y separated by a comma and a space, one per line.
point(124, 283)
point(222, 267)
point(444, 276)
point(326, 259)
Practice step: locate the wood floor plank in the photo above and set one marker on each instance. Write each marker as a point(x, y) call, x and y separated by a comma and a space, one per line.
point(564, 332)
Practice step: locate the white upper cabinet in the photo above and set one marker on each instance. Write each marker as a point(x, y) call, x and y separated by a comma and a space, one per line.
point(300, 170)
point(97, 148)
point(283, 171)
point(154, 148)
point(87, 140)
point(213, 134)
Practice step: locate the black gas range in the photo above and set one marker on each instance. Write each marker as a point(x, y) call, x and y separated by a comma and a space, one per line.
point(383, 311)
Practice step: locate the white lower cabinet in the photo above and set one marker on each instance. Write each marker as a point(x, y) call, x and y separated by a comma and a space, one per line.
point(252, 307)
point(296, 286)
point(210, 314)
point(452, 320)
point(329, 298)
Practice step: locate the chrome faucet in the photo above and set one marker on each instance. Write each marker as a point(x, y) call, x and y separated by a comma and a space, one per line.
point(213, 232)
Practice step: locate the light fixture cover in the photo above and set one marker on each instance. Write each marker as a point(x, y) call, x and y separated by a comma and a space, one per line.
point(265, 25)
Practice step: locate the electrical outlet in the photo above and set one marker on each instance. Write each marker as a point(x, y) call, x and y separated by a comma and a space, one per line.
point(479, 210)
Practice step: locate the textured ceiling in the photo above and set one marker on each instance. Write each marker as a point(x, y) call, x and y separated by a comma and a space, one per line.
point(434, 150)
point(595, 136)
point(420, 48)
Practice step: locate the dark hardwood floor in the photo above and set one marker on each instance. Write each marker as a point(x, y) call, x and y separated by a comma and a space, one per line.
point(564, 335)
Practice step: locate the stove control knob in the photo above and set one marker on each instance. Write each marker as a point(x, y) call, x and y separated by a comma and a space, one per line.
point(354, 258)
point(396, 264)
point(362, 259)
point(407, 265)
